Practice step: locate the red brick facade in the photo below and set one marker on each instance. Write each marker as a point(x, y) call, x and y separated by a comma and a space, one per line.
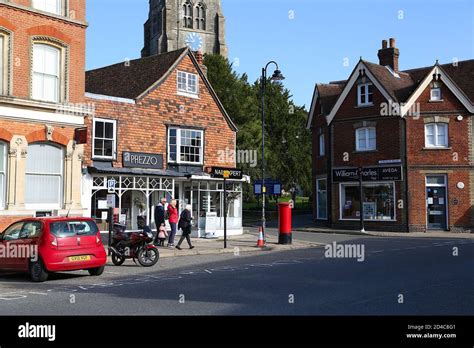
point(142, 127)
point(399, 139)
point(28, 121)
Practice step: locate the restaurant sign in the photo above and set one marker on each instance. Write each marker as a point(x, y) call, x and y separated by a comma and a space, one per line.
point(392, 173)
point(142, 160)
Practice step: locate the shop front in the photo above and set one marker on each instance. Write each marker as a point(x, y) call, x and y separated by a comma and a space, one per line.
point(382, 197)
point(138, 194)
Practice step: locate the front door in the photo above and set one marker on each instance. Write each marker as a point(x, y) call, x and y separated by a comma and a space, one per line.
point(436, 208)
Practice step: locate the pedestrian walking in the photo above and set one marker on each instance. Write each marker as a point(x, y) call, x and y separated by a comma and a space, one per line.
point(162, 234)
point(185, 225)
point(159, 217)
point(173, 220)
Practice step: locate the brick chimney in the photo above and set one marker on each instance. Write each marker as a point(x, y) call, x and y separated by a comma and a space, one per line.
point(389, 55)
point(200, 59)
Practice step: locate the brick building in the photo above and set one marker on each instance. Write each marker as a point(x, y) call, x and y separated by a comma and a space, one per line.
point(42, 46)
point(158, 126)
point(411, 133)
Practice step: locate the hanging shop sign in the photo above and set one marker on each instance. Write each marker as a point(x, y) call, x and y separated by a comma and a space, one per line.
point(226, 173)
point(392, 173)
point(142, 160)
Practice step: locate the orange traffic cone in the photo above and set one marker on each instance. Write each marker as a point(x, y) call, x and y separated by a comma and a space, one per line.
point(260, 243)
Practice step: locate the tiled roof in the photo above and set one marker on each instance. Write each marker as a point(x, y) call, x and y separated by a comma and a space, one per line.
point(401, 87)
point(130, 80)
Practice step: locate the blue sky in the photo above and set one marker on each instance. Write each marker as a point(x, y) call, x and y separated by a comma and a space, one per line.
point(310, 39)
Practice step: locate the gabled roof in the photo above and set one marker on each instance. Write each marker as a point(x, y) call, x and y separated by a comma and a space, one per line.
point(401, 87)
point(130, 79)
point(136, 78)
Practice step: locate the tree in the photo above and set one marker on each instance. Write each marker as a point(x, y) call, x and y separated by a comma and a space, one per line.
point(287, 142)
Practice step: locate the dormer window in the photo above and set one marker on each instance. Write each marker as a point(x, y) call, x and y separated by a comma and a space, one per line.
point(435, 94)
point(365, 94)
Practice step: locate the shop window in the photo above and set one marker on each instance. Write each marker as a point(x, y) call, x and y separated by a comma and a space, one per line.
point(3, 173)
point(105, 139)
point(52, 6)
point(378, 204)
point(322, 149)
point(47, 73)
point(436, 135)
point(44, 176)
point(185, 146)
point(321, 191)
point(365, 94)
point(366, 139)
point(187, 83)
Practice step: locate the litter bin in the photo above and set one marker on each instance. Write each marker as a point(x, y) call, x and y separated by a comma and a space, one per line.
point(284, 223)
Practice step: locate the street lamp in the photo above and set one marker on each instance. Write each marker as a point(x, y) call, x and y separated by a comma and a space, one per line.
point(277, 76)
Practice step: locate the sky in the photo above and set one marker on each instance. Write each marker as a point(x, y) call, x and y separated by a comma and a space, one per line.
point(311, 40)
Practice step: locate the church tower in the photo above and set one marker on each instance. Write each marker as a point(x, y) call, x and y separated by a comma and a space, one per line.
point(173, 24)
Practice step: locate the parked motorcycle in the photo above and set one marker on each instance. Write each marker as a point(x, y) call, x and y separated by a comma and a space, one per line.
point(134, 245)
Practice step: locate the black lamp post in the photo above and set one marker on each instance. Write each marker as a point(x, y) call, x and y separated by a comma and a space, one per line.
point(361, 197)
point(277, 76)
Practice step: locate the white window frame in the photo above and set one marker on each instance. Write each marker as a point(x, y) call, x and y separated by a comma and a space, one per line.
point(375, 183)
point(4, 172)
point(4, 62)
point(59, 77)
point(367, 139)
point(363, 89)
point(317, 199)
point(178, 146)
point(322, 147)
point(41, 5)
point(436, 126)
point(435, 94)
point(114, 146)
point(187, 92)
point(49, 206)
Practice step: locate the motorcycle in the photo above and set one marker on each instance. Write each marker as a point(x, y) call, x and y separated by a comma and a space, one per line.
point(134, 245)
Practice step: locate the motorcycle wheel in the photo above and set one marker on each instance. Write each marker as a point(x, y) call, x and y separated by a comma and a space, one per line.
point(148, 257)
point(117, 260)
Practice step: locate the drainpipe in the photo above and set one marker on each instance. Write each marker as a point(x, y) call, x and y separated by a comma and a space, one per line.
point(405, 170)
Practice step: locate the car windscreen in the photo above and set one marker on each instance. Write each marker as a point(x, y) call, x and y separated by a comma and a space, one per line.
point(63, 229)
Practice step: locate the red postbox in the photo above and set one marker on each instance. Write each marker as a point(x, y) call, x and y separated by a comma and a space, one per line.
point(284, 223)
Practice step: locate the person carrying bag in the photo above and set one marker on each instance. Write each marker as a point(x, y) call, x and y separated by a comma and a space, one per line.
point(185, 225)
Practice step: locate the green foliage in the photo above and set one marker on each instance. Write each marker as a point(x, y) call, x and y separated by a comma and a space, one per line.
point(287, 141)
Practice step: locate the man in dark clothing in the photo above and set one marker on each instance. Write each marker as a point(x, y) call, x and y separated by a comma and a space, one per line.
point(159, 216)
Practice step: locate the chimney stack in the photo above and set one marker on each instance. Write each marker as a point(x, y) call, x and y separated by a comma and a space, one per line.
point(389, 55)
point(199, 57)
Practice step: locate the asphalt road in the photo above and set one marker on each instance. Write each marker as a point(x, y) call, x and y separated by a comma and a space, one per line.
point(305, 282)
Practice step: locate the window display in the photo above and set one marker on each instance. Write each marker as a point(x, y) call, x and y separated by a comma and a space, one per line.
point(379, 201)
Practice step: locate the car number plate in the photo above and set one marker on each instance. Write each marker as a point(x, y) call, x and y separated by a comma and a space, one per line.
point(79, 258)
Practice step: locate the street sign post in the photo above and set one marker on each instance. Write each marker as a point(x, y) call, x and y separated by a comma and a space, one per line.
point(226, 173)
point(110, 217)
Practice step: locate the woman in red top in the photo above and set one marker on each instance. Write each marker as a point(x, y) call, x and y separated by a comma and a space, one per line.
point(173, 220)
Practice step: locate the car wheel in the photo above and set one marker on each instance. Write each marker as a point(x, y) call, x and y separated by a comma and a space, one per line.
point(96, 271)
point(38, 273)
point(117, 260)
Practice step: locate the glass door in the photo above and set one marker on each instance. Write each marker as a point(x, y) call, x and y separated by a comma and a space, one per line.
point(436, 202)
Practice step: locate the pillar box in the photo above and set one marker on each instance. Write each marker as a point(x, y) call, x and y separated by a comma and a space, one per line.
point(284, 223)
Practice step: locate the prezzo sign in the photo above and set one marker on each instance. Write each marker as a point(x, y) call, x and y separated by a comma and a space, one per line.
point(392, 173)
point(142, 160)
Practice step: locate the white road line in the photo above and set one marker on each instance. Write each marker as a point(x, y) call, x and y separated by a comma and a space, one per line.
point(377, 251)
point(38, 293)
point(207, 271)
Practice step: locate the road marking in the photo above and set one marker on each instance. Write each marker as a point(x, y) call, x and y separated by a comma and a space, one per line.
point(377, 251)
point(38, 293)
point(410, 248)
point(207, 271)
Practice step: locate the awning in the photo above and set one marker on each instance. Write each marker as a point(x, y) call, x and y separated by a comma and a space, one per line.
point(107, 168)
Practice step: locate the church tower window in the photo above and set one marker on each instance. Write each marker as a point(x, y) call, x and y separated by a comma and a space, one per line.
point(200, 16)
point(188, 14)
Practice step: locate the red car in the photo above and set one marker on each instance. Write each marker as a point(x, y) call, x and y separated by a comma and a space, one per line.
point(40, 246)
